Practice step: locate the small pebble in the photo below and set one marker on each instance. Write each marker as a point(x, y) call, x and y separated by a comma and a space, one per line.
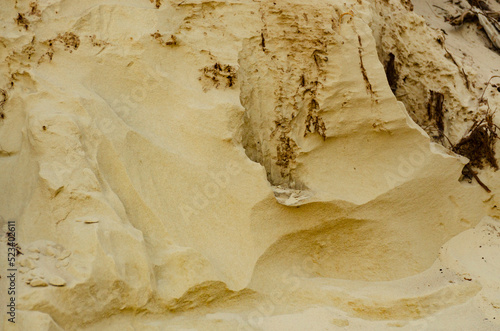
point(51, 251)
point(57, 281)
point(34, 256)
point(64, 254)
point(33, 250)
point(38, 282)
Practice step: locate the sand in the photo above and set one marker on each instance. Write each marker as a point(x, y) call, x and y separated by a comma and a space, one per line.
point(246, 165)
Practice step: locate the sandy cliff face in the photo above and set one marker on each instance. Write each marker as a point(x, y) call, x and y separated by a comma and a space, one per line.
point(240, 165)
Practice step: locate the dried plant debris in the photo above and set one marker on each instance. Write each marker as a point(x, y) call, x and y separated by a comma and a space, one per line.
point(461, 70)
point(491, 26)
point(156, 2)
point(34, 9)
point(220, 74)
point(21, 20)
point(478, 144)
point(467, 16)
point(490, 21)
point(171, 41)
point(479, 4)
point(468, 174)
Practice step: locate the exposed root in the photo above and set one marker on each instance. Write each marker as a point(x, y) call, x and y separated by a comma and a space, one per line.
point(478, 144)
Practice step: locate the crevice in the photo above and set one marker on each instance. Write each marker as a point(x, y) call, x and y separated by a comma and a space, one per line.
point(368, 85)
point(435, 112)
point(391, 73)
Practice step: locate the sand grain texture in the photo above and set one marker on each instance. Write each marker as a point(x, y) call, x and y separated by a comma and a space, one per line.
point(244, 165)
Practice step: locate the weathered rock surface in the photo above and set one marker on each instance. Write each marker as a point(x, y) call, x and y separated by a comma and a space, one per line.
point(223, 165)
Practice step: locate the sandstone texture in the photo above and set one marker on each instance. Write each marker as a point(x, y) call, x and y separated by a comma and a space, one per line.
point(247, 165)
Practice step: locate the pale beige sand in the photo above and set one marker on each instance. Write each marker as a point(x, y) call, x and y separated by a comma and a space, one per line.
point(244, 165)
